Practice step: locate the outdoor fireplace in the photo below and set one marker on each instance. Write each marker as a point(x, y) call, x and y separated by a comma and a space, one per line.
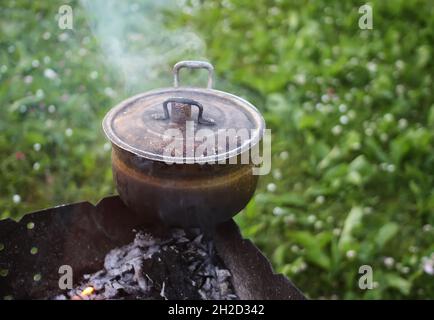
point(80, 235)
point(128, 247)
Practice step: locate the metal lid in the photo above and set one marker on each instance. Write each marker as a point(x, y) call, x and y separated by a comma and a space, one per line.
point(193, 131)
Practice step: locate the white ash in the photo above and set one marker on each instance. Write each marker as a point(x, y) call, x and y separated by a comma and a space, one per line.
point(180, 265)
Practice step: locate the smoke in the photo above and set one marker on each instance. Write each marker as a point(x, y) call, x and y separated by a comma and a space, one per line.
point(138, 44)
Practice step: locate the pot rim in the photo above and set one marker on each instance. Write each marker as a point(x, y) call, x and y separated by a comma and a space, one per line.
point(247, 145)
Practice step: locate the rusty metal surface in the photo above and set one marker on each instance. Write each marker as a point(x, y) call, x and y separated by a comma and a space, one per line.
point(185, 173)
point(140, 124)
point(252, 274)
point(81, 234)
point(183, 195)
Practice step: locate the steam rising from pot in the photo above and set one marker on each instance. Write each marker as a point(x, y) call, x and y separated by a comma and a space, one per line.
point(137, 42)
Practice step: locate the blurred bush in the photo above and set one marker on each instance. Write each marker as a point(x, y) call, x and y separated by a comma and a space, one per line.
point(351, 112)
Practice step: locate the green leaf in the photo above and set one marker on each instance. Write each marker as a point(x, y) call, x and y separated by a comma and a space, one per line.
point(386, 233)
point(352, 221)
point(394, 281)
point(279, 254)
point(314, 247)
point(287, 199)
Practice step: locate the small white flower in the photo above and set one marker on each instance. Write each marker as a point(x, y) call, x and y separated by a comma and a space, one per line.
point(50, 74)
point(68, 132)
point(37, 147)
point(320, 199)
point(107, 146)
point(336, 232)
point(300, 78)
point(351, 254)
point(367, 210)
point(388, 117)
point(271, 187)
point(63, 36)
point(35, 63)
point(278, 211)
point(325, 98)
point(47, 59)
point(372, 66)
point(82, 52)
point(405, 269)
point(427, 228)
point(109, 92)
point(36, 166)
point(389, 262)
point(356, 146)
point(337, 130)
point(354, 61)
point(318, 225)
point(4, 68)
point(28, 79)
point(344, 119)
point(307, 106)
point(93, 75)
point(277, 174)
point(51, 108)
point(342, 108)
point(295, 248)
point(289, 219)
point(428, 265)
point(46, 35)
point(49, 123)
point(40, 93)
point(284, 155)
point(16, 198)
point(413, 249)
point(400, 89)
point(369, 131)
point(311, 218)
point(390, 168)
point(384, 137)
point(402, 123)
point(400, 64)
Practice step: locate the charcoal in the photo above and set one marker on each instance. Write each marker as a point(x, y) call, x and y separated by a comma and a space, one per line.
point(183, 264)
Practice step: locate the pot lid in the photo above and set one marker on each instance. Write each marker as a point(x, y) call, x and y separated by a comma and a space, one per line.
point(185, 124)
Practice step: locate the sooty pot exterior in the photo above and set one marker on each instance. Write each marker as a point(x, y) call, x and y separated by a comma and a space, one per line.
point(185, 195)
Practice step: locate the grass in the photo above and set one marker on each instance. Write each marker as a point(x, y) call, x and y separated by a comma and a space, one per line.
point(351, 112)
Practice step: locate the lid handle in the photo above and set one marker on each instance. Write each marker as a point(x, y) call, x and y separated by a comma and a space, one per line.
point(200, 119)
point(194, 65)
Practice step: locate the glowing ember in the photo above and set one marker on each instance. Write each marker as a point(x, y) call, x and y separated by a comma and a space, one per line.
point(87, 291)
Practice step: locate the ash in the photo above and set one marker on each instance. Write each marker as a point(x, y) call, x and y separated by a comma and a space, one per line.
point(180, 265)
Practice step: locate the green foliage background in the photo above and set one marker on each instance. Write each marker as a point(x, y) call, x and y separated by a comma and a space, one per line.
point(351, 112)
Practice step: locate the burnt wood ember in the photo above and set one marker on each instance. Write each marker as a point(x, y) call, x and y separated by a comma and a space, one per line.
point(178, 265)
point(80, 235)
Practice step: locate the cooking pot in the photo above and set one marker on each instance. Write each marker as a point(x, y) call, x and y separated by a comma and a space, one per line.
point(181, 155)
